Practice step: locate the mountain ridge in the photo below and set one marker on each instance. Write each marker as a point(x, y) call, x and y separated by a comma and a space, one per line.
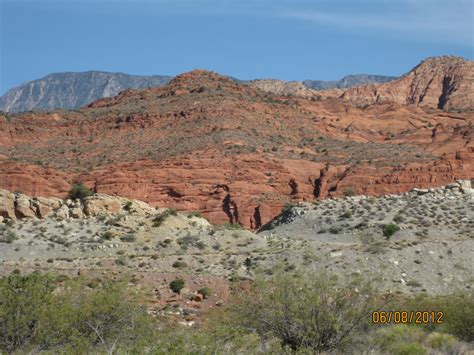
point(72, 90)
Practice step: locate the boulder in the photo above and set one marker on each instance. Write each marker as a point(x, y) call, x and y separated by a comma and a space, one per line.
point(76, 212)
point(23, 207)
point(62, 212)
point(102, 204)
point(421, 191)
point(140, 208)
point(7, 204)
point(466, 186)
point(197, 297)
point(45, 206)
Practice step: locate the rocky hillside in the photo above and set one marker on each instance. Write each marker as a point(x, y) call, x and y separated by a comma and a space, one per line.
point(440, 82)
point(235, 153)
point(312, 88)
point(72, 90)
point(419, 241)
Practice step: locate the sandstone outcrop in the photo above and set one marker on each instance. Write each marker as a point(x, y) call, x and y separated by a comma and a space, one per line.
point(7, 204)
point(440, 82)
point(19, 206)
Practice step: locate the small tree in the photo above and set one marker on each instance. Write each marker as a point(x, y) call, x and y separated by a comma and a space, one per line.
point(79, 191)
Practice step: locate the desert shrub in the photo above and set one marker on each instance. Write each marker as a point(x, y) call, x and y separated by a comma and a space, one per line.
point(128, 206)
point(158, 220)
point(390, 229)
point(129, 238)
point(177, 285)
point(205, 292)
point(440, 341)
point(195, 214)
point(305, 312)
point(23, 300)
point(76, 319)
point(228, 225)
point(408, 349)
point(79, 191)
point(349, 191)
point(8, 236)
point(287, 207)
point(190, 241)
point(179, 264)
point(459, 315)
point(108, 235)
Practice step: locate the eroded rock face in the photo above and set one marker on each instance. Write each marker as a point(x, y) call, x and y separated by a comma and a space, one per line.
point(7, 204)
point(18, 206)
point(45, 206)
point(439, 82)
point(100, 204)
point(24, 207)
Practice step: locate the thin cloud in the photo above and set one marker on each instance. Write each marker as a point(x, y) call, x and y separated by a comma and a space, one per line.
point(434, 20)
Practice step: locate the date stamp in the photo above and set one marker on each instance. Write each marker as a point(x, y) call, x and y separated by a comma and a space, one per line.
point(408, 317)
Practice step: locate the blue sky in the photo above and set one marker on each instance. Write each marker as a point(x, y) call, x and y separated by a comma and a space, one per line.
point(285, 39)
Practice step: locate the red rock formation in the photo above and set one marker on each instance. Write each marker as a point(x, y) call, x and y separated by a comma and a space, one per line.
point(237, 154)
point(439, 82)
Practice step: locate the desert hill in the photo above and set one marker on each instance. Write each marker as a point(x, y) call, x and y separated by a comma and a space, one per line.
point(233, 152)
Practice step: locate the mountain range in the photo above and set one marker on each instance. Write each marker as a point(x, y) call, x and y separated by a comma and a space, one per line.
point(74, 90)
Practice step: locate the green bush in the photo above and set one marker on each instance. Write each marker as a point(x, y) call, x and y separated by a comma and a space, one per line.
point(177, 285)
point(129, 238)
point(287, 207)
point(390, 229)
point(23, 302)
point(158, 220)
point(7, 236)
point(77, 319)
point(79, 191)
point(459, 316)
point(180, 264)
point(205, 292)
point(408, 349)
point(228, 225)
point(312, 313)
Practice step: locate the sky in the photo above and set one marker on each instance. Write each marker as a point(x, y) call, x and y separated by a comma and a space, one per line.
point(247, 39)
